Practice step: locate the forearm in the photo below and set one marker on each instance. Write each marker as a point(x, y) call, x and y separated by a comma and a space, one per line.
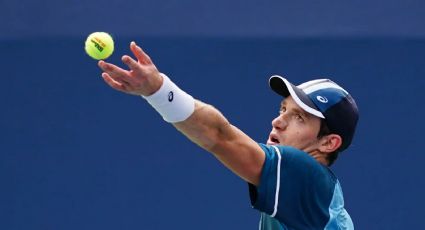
point(209, 129)
point(206, 126)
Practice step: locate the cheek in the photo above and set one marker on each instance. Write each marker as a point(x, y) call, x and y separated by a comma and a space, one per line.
point(305, 135)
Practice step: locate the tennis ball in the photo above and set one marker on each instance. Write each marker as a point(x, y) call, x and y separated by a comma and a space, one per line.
point(99, 45)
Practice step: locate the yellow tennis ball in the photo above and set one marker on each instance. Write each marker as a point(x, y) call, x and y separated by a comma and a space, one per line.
point(99, 45)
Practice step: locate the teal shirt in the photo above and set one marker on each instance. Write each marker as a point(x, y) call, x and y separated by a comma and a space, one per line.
point(297, 192)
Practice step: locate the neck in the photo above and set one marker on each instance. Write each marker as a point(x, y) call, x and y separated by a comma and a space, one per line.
point(320, 157)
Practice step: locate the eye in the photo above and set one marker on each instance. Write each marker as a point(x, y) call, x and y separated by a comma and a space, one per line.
point(299, 117)
point(282, 109)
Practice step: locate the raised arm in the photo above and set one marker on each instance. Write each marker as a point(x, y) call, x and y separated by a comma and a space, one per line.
point(206, 126)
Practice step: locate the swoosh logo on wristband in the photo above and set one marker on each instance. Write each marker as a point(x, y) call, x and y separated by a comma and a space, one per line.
point(170, 96)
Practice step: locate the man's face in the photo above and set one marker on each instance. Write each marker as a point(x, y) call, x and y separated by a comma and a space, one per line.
point(294, 127)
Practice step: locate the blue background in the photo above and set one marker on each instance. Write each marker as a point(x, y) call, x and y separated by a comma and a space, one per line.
point(78, 155)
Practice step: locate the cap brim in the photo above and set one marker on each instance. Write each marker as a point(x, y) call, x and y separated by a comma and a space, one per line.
point(284, 88)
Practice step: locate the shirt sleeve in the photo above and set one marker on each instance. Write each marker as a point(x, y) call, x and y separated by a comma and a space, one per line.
point(294, 188)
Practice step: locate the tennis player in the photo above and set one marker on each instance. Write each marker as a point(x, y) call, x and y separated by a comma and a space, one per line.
point(289, 179)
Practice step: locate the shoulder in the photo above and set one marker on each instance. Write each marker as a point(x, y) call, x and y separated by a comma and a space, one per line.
point(292, 177)
point(298, 163)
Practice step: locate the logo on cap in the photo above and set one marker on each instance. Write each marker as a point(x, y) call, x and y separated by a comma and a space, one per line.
point(322, 99)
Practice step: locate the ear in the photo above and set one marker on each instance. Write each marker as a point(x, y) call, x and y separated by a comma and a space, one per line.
point(330, 143)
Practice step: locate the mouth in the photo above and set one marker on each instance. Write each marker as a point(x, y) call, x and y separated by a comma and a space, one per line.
point(273, 140)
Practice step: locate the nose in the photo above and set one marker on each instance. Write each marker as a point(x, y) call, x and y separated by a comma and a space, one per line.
point(279, 122)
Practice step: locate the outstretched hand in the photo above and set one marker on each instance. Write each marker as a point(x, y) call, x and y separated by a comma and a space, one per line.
point(142, 78)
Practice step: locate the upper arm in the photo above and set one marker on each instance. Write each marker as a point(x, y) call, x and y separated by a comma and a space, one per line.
point(208, 128)
point(241, 154)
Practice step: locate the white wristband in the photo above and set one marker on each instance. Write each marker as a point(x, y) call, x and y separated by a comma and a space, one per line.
point(171, 102)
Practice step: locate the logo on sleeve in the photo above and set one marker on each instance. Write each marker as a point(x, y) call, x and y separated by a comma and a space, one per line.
point(170, 96)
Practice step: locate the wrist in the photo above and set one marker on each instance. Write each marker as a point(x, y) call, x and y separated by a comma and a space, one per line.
point(156, 85)
point(171, 102)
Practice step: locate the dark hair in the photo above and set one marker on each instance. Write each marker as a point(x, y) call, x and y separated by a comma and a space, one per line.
point(324, 130)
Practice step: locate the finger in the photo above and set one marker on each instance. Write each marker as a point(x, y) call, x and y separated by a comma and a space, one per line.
point(141, 56)
point(121, 81)
point(111, 68)
point(131, 63)
point(113, 83)
point(113, 71)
